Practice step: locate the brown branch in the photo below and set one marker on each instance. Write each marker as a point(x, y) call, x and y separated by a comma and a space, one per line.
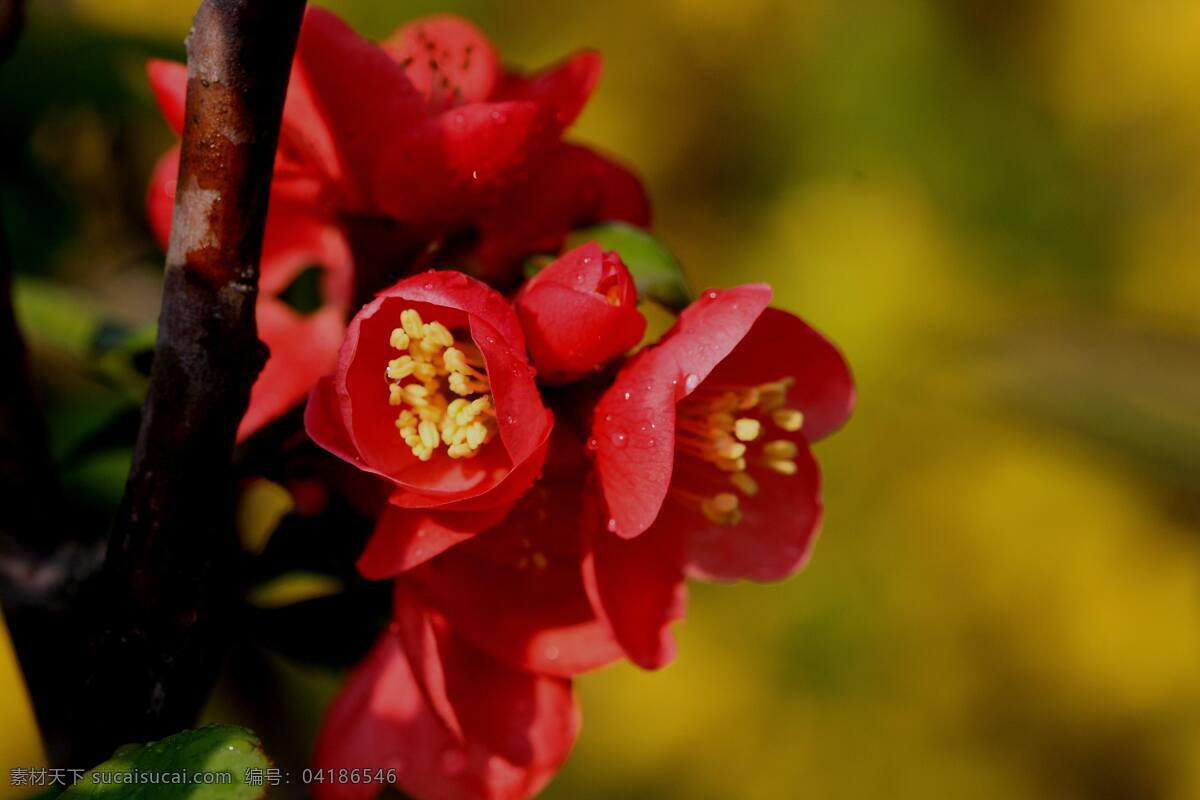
point(169, 582)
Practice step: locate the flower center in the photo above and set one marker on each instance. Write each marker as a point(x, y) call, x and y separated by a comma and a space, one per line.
point(728, 427)
point(442, 388)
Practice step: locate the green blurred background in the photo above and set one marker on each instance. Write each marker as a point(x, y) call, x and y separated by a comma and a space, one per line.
point(993, 206)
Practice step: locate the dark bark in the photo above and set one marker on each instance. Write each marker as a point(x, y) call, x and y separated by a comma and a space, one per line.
point(170, 582)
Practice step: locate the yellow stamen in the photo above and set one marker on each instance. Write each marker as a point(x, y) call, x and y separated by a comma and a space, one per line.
point(432, 370)
point(745, 484)
point(783, 467)
point(746, 429)
point(723, 425)
point(781, 450)
point(789, 419)
point(722, 509)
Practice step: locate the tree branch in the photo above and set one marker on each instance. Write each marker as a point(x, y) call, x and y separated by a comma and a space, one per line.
point(169, 581)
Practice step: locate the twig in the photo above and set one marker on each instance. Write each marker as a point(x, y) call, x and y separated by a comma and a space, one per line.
point(169, 580)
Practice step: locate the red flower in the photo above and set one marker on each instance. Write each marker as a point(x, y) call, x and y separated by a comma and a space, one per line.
point(433, 394)
point(702, 449)
point(516, 590)
point(579, 312)
point(303, 346)
point(452, 722)
point(414, 153)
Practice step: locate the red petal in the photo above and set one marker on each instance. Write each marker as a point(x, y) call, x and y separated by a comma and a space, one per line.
point(579, 312)
point(516, 728)
point(517, 590)
point(405, 538)
point(325, 424)
point(456, 301)
point(379, 720)
point(160, 195)
point(775, 536)
point(504, 493)
point(448, 169)
point(346, 102)
point(635, 419)
point(303, 350)
point(297, 239)
point(570, 187)
point(781, 344)
point(560, 91)
point(168, 81)
point(448, 60)
point(637, 587)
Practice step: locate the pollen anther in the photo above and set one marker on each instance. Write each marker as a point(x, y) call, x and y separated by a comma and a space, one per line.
point(434, 369)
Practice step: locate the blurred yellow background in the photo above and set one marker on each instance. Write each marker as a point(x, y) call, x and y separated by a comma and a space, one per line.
point(994, 208)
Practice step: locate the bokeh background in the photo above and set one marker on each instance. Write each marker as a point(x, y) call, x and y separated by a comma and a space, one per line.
point(993, 206)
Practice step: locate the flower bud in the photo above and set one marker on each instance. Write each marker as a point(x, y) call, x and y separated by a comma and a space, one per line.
point(579, 313)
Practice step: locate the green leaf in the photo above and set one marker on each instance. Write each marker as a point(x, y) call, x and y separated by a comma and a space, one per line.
point(656, 271)
point(55, 316)
point(123, 355)
point(222, 754)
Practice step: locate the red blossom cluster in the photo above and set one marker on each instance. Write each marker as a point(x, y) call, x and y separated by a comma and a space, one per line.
point(551, 480)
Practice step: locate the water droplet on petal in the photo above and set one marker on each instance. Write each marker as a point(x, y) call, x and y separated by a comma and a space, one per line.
point(454, 762)
point(612, 525)
point(552, 653)
point(628, 395)
point(619, 439)
point(711, 295)
point(592, 444)
point(691, 381)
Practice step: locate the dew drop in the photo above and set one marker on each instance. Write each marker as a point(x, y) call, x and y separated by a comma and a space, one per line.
point(592, 444)
point(691, 381)
point(454, 762)
point(612, 525)
point(552, 653)
point(475, 174)
point(628, 395)
point(608, 417)
point(510, 420)
point(711, 295)
point(429, 284)
point(619, 439)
